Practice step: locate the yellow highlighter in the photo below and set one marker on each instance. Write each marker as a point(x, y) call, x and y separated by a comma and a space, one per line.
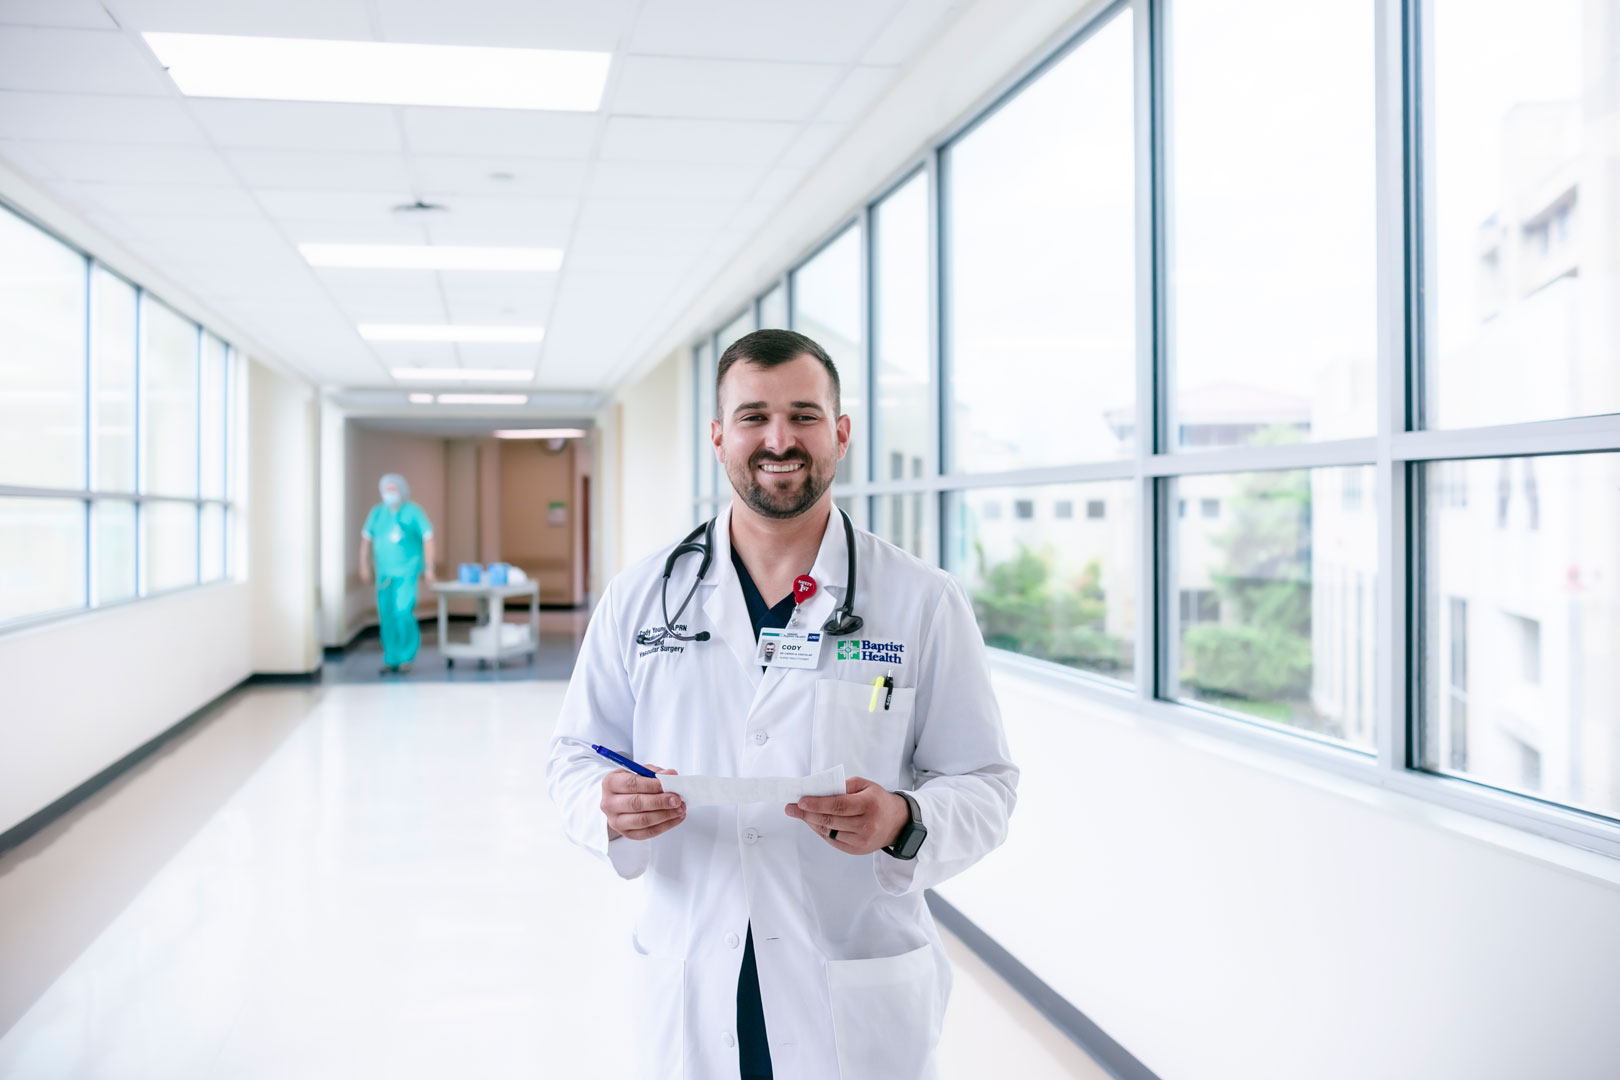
point(877, 684)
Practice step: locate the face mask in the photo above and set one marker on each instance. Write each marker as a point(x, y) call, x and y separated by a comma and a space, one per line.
point(391, 498)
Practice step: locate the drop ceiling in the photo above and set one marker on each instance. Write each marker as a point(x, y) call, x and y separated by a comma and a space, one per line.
point(714, 112)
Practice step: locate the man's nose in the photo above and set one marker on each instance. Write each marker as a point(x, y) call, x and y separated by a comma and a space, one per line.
point(779, 436)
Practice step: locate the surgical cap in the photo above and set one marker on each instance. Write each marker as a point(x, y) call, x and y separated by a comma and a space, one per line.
point(396, 480)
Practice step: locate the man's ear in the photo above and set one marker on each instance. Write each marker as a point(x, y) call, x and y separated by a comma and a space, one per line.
point(844, 428)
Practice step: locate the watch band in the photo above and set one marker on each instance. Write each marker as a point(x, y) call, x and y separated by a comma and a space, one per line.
point(912, 833)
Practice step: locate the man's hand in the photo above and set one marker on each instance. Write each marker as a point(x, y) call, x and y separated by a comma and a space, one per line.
point(636, 806)
point(365, 574)
point(866, 818)
point(427, 572)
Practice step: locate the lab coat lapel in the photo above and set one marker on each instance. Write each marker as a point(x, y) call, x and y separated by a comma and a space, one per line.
point(830, 566)
point(724, 606)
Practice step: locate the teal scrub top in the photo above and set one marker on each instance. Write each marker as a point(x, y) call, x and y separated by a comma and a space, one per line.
point(396, 538)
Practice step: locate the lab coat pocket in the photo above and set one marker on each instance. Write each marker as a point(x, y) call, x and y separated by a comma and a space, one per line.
point(849, 731)
point(659, 994)
point(887, 1015)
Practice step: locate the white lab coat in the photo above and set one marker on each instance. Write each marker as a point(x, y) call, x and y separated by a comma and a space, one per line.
point(852, 974)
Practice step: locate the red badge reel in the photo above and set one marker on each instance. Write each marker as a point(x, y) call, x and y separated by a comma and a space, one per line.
point(804, 587)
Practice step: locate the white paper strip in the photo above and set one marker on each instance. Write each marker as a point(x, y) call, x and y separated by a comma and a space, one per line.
point(731, 790)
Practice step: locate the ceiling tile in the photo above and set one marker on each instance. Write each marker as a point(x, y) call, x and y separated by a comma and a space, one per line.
point(676, 181)
point(386, 295)
point(81, 14)
point(78, 61)
point(664, 241)
point(721, 89)
point(114, 164)
point(96, 118)
point(338, 206)
point(308, 170)
point(471, 220)
point(524, 357)
point(640, 138)
point(650, 214)
point(856, 93)
point(661, 265)
point(913, 27)
point(284, 18)
point(503, 132)
point(828, 31)
point(299, 125)
point(530, 24)
point(375, 229)
point(443, 178)
point(414, 354)
point(482, 298)
point(814, 143)
point(778, 184)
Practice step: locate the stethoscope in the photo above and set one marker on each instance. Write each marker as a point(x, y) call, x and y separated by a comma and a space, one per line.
point(840, 623)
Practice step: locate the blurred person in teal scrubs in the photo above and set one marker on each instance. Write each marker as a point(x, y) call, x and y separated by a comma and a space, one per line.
point(400, 536)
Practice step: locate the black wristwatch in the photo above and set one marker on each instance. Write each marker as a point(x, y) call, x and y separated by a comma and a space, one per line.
point(912, 833)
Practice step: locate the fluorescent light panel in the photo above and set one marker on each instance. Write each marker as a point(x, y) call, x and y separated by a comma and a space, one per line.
point(452, 333)
point(483, 399)
point(381, 73)
point(541, 433)
point(431, 257)
point(407, 374)
point(421, 399)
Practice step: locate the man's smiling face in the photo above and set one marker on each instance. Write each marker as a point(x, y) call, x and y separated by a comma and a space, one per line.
point(777, 435)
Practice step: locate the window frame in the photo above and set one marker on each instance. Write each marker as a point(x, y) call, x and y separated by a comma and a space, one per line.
point(1397, 451)
point(88, 494)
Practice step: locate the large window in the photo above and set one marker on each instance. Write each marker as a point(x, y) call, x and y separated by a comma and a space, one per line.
point(1523, 212)
point(902, 438)
point(1275, 597)
point(42, 298)
point(1044, 581)
point(1273, 314)
point(1189, 358)
point(115, 435)
point(1521, 627)
point(1040, 269)
point(827, 308)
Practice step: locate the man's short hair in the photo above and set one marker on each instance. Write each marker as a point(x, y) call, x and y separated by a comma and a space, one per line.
point(767, 349)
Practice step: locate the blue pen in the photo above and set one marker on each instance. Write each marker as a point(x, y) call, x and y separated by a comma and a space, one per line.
point(623, 762)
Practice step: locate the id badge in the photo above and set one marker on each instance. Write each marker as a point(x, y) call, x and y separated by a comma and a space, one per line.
point(789, 648)
point(396, 535)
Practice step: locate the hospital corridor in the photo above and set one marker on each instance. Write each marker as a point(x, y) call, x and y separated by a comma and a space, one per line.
point(788, 540)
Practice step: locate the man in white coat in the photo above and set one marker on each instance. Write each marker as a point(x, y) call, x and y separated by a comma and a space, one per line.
point(788, 941)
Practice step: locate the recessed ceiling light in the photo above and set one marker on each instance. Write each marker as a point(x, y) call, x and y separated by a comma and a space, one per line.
point(452, 333)
point(483, 399)
point(411, 374)
point(431, 257)
point(381, 73)
point(541, 433)
point(421, 399)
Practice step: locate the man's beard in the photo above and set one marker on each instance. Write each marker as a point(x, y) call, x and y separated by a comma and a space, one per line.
point(784, 504)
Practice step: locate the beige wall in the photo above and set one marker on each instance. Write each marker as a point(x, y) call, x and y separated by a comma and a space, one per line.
point(532, 477)
point(646, 449)
point(283, 521)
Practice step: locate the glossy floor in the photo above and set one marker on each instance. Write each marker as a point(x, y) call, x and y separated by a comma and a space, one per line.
point(356, 881)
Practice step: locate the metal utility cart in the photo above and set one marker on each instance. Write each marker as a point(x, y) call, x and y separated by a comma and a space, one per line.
point(491, 613)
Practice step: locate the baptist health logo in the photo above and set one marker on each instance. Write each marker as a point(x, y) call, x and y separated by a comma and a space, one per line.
point(885, 652)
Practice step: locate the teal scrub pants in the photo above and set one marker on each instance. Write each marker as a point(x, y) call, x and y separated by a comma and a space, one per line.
point(396, 612)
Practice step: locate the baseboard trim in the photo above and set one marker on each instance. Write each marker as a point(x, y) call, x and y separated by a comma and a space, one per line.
point(1048, 1002)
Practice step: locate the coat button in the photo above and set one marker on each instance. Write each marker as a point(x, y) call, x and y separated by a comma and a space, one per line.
point(760, 738)
point(751, 835)
point(731, 1040)
point(732, 940)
